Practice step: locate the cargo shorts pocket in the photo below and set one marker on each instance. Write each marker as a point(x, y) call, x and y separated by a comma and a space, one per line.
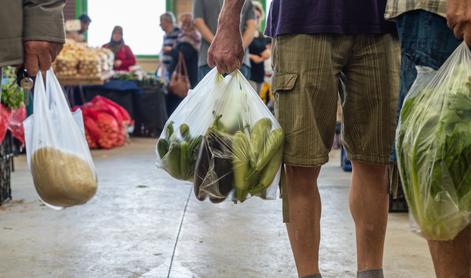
point(284, 82)
point(283, 86)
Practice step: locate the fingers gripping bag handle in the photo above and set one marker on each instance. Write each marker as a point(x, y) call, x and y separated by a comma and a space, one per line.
point(61, 164)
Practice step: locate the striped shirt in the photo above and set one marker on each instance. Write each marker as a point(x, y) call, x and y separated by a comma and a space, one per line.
point(395, 8)
point(170, 39)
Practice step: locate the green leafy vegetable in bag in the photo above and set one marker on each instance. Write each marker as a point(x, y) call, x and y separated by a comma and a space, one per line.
point(434, 150)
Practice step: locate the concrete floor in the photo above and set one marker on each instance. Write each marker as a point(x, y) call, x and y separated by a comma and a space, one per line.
point(142, 223)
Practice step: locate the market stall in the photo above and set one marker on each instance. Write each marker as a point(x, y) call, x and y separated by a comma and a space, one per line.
point(87, 72)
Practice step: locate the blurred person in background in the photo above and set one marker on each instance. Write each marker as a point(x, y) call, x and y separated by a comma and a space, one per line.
point(187, 44)
point(167, 56)
point(80, 35)
point(206, 14)
point(31, 34)
point(123, 56)
point(258, 52)
point(85, 21)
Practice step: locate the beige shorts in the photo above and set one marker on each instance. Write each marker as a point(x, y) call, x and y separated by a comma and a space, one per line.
point(306, 87)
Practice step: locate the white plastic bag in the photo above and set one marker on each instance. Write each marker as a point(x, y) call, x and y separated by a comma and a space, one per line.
point(57, 152)
point(433, 145)
point(224, 139)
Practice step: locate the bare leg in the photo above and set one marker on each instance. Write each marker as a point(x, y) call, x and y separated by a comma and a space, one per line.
point(451, 259)
point(369, 208)
point(304, 215)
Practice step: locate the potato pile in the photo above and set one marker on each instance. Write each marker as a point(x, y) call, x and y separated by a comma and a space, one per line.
point(78, 60)
point(62, 179)
point(90, 66)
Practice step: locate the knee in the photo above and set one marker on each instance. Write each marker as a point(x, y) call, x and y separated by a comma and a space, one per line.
point(302, 180)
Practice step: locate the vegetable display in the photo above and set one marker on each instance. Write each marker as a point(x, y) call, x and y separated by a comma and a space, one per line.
point(434, 148)
point(12, 95)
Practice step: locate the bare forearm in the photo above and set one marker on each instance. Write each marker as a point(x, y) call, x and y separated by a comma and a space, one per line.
point(266, 54)
point(232, 7)
point(226, 51)
point(249, 33)
point(204, 30)
point(230, 14)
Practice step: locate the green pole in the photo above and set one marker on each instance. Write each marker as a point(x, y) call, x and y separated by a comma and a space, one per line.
point(264, 21)
point(78, 8)
point(171, 6)
point(85, 6)
point(81, 7)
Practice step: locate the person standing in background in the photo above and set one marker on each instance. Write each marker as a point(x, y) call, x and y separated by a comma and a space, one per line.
point(206, 14)
point(27, 38)
point(189, 43)
point(85, 21)
point(168, 25)
point(429, 32)
point(123, 56)
point(258, 52)
point(80, 35)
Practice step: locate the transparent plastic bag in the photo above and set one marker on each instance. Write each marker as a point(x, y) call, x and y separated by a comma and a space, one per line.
point(57, 153)
point(224, 139)
point(433, 144)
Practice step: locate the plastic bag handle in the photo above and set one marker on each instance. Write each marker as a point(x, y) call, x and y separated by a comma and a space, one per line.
point(54, 92)
point(40, 97)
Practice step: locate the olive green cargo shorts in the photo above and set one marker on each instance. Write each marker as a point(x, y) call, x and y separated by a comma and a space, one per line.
point(306, 86)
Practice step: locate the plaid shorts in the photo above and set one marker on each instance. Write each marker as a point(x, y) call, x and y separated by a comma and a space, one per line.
point(307, 70)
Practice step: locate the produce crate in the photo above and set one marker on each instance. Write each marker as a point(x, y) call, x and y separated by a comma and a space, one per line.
point(6, 167)
point(151, 111)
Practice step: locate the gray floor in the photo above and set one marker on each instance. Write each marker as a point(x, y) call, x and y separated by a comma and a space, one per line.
point(130, 229)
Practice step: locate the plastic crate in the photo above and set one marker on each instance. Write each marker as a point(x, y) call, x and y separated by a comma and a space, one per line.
point(151, 112)
point(6, 167)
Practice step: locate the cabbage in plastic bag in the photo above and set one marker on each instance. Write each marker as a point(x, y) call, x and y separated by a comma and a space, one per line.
point(434, 148)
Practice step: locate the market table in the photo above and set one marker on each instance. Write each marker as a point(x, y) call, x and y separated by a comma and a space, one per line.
point(85, 80)
point(145, 103)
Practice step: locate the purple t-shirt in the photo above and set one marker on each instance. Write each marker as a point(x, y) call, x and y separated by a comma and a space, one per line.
point(327, 16)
